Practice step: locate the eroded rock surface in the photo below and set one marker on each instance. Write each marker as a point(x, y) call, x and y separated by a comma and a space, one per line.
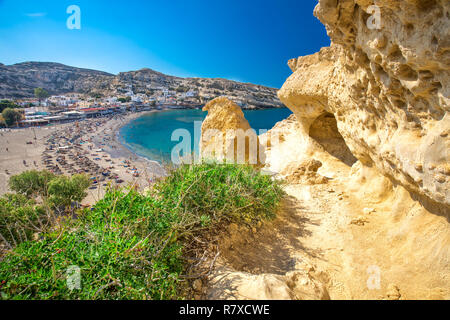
point(304, 172)
point(387, 88)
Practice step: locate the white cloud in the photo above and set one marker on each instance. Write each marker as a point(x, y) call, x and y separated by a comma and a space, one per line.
point(36, 14)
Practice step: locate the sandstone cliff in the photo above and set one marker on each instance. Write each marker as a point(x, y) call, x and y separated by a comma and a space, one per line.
point(387, 88)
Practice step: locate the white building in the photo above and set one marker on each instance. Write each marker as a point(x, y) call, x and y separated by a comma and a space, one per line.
point(111, 100)
point(74, 115)
point(136, 98)
point(191, 94)
point(63, 101)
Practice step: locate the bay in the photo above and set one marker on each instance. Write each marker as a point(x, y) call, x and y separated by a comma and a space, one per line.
point(150, 135)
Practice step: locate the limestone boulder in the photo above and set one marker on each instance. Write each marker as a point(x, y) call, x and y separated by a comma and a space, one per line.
point(227, 135)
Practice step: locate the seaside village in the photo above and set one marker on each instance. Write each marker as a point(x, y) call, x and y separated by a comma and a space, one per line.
point(76, 107)
point(77, 137)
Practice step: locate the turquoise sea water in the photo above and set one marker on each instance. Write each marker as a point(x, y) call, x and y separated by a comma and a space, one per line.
point(150, 135)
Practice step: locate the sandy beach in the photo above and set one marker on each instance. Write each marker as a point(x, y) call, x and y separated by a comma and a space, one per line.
point(90, 147)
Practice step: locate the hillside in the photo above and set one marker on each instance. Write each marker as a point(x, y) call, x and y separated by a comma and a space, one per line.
point(365, 157)
point(19, 81)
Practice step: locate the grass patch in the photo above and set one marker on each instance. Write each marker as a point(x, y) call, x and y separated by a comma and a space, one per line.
point(131, 245)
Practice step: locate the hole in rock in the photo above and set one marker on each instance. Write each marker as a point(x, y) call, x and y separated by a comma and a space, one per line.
point(405, 72)
point(409, 28)
point(434, 41)
point(325, 132)
point(395, 54)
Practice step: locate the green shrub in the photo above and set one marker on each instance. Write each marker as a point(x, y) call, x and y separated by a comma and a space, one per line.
point(225, 192)
point(64, 190)
point(8, 104)
point(114, 248)
point(11, 116)
point(20, 214)
point(31, 183)
point(131, 245)
point(20, 218)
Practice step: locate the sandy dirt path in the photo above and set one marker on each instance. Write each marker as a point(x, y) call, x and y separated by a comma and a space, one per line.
point(365, 244)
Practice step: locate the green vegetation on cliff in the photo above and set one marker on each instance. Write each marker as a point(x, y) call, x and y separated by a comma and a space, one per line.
point(132, 245)
point(11, 116)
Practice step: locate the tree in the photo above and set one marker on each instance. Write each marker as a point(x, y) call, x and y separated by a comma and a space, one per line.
point(8, 104)
point(32, 183)
point(65, 190)
point(11, 116)
point(41, 94)
point(126, 99)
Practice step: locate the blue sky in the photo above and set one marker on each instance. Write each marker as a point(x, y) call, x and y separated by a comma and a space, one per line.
point(242, 40)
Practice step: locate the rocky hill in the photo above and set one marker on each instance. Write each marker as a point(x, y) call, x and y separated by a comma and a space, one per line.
point(19, 81)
